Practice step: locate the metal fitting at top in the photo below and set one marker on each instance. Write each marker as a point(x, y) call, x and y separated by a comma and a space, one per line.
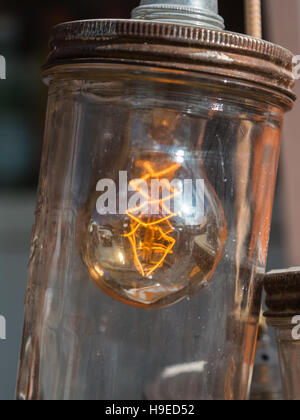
point(203, 13)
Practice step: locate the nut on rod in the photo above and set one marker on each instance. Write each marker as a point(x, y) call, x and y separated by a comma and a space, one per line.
point(202, 13)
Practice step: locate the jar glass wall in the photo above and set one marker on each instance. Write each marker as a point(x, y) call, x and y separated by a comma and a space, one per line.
point(132, 305)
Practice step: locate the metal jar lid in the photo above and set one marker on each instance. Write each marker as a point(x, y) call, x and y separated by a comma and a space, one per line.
point(283, 293)
point(232, 57)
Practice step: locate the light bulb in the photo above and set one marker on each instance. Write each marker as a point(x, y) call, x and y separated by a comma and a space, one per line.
point(153, 235)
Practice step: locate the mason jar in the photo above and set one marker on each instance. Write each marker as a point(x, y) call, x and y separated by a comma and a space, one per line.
point(152, 224)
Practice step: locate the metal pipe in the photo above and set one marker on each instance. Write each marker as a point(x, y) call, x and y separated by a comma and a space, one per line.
point(203, 13)
point(253, 18)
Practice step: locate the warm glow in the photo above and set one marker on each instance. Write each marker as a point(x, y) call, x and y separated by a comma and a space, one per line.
point(150, 237)
point(121, 258)
point(99, 270)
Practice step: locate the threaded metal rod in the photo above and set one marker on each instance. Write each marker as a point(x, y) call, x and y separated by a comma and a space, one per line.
point(253, 18)
point(203, 13)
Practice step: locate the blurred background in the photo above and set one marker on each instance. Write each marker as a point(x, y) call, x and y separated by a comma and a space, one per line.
point(24, 31)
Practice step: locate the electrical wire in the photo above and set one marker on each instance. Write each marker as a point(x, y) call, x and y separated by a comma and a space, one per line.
point(253, 18)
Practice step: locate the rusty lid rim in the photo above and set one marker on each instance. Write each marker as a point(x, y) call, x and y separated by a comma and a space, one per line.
point(185, 47)
point(104, 29)
point(283, 293)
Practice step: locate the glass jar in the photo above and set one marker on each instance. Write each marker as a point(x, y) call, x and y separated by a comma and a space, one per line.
point(283, 301)
point(154, 209)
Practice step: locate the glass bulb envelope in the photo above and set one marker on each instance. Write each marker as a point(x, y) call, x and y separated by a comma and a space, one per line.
point(154, 235)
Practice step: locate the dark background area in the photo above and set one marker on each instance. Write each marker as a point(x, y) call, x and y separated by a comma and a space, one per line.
point(24, 33)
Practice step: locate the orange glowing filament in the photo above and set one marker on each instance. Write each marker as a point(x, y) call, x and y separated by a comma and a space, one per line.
point(150, 236)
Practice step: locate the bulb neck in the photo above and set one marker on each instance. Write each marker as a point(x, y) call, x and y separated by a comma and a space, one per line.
point(202, 13)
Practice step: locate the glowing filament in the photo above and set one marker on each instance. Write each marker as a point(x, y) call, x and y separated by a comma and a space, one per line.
point(150, 239)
